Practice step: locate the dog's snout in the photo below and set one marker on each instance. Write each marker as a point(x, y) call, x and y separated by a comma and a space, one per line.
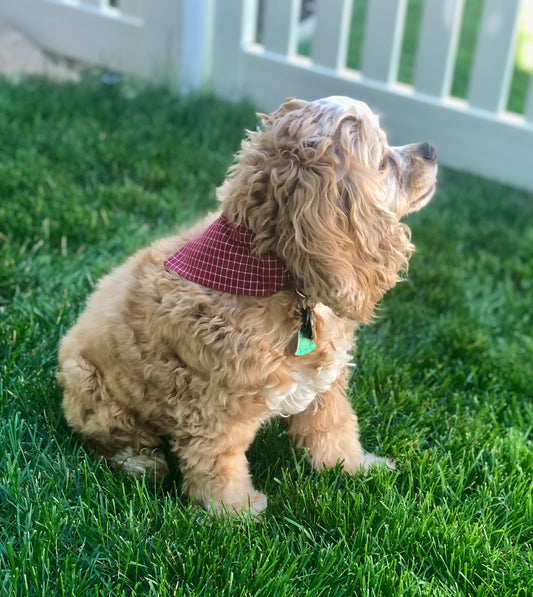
point(427, 151)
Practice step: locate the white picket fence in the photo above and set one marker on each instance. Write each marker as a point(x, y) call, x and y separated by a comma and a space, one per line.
point(195, 44)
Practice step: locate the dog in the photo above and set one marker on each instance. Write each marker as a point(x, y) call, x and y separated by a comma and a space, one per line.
point(202, 338)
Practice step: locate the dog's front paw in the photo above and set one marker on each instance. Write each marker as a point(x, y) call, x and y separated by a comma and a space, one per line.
point(252, 503)
point(369, 460)
point(257, 503)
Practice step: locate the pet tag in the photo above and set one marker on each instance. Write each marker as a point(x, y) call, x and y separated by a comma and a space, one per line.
point(306, 335)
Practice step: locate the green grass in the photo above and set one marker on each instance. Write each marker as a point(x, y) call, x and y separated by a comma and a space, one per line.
point(444, 379)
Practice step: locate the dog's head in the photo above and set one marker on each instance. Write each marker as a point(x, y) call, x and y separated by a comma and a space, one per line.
point(321, 188)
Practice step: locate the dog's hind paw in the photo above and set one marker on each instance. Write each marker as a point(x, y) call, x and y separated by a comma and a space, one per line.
point(137, 464)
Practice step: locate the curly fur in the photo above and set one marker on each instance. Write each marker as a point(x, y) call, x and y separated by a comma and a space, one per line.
point(155, 355)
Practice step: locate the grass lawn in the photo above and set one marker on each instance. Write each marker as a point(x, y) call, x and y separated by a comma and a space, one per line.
point(444, 380)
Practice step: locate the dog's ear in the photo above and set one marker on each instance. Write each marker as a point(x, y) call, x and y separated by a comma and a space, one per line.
point(333, 229)
point(289, 105)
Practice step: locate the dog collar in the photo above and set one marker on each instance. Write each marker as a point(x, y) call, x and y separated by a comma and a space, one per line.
point(222, 258)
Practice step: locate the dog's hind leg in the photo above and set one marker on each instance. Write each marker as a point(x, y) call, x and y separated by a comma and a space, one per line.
point(214, 465)
point(107, 426)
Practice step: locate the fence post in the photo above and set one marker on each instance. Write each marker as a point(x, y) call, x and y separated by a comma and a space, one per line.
point(235, 26)
point(198, 20)
point(178, 42)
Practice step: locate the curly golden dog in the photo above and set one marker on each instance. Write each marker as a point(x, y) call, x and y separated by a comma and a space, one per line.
point(203, 337)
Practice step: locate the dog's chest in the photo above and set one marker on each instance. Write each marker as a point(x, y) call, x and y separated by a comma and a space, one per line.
point(309, 377)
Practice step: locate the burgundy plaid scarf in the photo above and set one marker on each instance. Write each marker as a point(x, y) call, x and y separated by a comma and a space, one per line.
point(221, 258)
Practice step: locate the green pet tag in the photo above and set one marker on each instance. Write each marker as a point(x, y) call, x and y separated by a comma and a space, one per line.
point(306, 335)
point(305, 345)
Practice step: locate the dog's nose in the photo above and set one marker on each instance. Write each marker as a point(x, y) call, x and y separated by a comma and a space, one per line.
point(427, 151)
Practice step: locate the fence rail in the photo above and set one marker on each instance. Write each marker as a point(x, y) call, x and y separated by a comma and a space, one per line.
point(195, 44)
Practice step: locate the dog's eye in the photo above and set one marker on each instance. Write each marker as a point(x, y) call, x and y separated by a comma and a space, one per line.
point(385, 162)
point(389, 162)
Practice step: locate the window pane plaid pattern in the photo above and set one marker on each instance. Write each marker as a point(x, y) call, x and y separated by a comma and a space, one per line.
point(221, 258)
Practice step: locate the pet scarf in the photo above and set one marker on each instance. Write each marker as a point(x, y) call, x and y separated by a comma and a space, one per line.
point(222, 258)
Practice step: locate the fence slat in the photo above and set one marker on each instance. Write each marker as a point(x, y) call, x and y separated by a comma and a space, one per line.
point(195, 38)
point(383, 38)
point(493, 59)
point(330, 40)
point(281, 26)
point(437, 46)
